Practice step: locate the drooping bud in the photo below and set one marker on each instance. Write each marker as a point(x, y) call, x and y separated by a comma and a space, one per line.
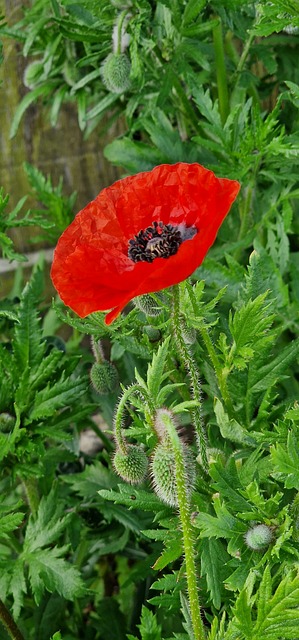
point(148, 305)
point(132, 465)
point(258, 537)
point(104, 377)
point(159, 423)
point(163, 472)
point(116, 72)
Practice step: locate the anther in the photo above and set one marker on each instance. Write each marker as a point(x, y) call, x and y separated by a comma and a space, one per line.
point(158, 241)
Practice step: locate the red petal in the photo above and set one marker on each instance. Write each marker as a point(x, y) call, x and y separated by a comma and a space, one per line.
point(91, 269)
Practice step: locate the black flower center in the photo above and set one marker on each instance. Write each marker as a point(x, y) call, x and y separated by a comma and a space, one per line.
point(158, 241)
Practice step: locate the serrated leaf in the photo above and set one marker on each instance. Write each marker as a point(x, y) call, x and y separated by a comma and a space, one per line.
point(47, 570)
point(156, 369)
point(213, 560)
point(230, 428)
point(286, 461)
point(47, 526)
point(268, 375)
point(56, 396)
point(28, 346)
point(134, 498)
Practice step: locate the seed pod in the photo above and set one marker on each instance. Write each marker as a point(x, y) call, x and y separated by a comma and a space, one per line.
point(132, 465)
point(115, 72)
point(104, 377)
point(258, 537)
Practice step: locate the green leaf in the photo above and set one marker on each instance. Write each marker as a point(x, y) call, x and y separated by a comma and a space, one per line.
point(28, 346)
point(156, 369)
point(213, 560)
point(134, 156)
point(56, 396)
point(286, 461)
point(230, 428)
point(32, 96)
point(47, 570)
point(149, 627)
point(270, 374)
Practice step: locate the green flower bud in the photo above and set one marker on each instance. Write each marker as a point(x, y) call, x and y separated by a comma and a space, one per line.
point(258, 537)
point(116, 72)
point(104, 377)
point(152, 333)
point(163, 472)
point(148, 305)
point(132, 465)
point(33, 73)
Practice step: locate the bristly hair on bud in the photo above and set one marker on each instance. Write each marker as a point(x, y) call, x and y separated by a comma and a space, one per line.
point(131, 465)
point(148, 304)
point(258, 537)
point(115, 72)
point(104, 377)
point(159, 424)
point(163, 472)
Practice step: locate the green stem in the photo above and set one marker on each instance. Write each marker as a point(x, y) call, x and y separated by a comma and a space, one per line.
point(118, 420)
point(9, 623)
point(221, 72)
point(31, 490)
point(193, 372)
point(119, 31)
point(185, 518)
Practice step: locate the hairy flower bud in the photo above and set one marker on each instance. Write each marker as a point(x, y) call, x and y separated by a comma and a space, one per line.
point(163, 472)
point(148, 305)
point(116, 72)
point(104, 377)
point(132, 465)
point(258, 537)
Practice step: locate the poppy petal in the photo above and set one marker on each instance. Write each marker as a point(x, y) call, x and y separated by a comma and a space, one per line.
point(91, 268)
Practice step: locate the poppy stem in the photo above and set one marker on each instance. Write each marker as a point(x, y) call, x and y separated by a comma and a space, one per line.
point(193, 372)
point(134, 389)
point(221, 72)
point(185, 518)
point(9, 623)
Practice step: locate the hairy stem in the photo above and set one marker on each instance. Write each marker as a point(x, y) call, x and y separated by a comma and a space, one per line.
point(185, 519)
point(9, 623)
point(193, 372)
point(221, 72)
point(134, 389)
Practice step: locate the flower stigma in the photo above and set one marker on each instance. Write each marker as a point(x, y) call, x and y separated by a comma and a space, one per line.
point(159, 241)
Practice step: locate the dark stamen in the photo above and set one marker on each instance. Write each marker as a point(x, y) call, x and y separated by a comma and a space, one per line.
point(158, 241)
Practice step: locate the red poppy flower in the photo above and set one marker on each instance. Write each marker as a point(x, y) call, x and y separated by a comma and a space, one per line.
point(142, 234)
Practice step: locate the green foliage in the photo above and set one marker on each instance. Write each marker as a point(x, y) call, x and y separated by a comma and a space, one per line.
point(12, 220)
point(82, 553)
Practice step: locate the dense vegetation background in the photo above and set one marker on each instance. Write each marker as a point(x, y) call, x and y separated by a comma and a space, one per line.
point(84, 554)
